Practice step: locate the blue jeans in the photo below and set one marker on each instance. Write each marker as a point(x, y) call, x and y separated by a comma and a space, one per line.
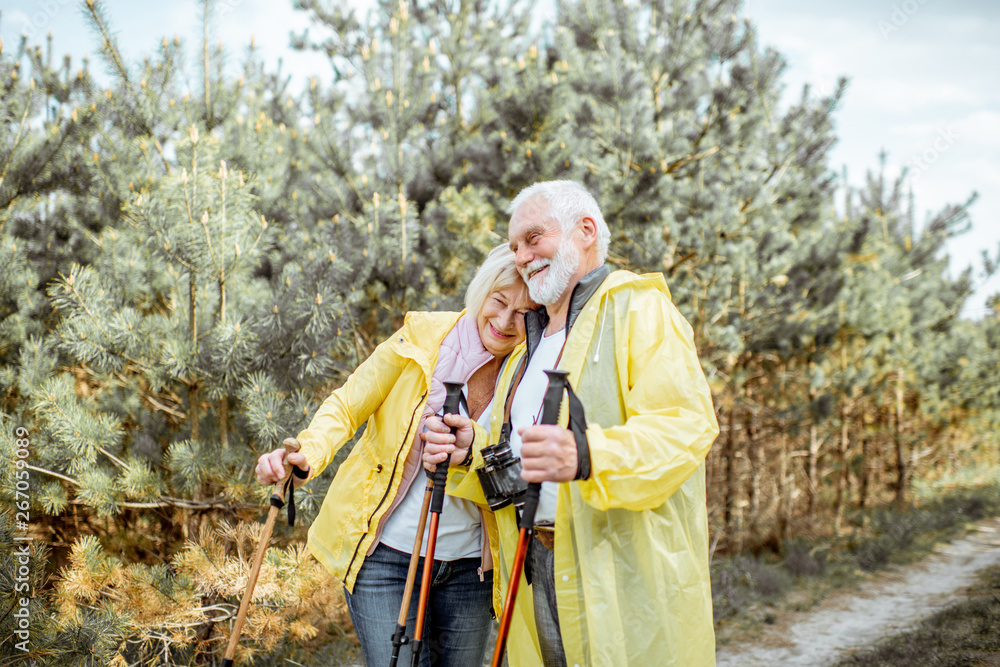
point(456, 622)
point(543, 592)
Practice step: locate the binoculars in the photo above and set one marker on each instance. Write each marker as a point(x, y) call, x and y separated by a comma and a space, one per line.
point(500, 474)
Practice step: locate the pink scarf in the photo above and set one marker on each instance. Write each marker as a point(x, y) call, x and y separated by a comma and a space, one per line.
point(462, 354)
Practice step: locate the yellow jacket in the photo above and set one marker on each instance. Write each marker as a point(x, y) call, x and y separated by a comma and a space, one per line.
point(388, 391)
point(631, 553)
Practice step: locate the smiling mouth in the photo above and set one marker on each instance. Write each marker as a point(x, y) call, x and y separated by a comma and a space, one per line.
point(537, 271)
point(498, 334)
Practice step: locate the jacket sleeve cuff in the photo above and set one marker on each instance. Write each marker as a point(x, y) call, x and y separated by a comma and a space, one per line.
point(312, 450)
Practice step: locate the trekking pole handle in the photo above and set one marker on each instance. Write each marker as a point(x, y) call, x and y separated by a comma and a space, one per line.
point(550, 416)
point(452, 397)
point(291, 446)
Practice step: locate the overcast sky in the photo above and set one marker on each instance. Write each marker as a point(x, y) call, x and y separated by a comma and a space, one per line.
point(924, 78)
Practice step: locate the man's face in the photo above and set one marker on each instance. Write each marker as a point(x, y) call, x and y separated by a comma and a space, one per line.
point(546, 258)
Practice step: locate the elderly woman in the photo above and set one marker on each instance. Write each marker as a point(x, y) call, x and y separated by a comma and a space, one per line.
point(364, 533)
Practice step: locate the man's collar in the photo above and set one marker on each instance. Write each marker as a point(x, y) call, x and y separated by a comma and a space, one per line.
point(535, 321)
point(583, 291)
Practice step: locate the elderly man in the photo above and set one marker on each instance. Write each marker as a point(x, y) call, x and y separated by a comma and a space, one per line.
point(620, 572)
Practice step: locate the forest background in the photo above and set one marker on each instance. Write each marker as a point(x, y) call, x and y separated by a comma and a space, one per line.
point(194, 259)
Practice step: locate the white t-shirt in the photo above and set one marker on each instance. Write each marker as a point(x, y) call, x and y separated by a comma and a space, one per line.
point(525, 410)
point(460, 534)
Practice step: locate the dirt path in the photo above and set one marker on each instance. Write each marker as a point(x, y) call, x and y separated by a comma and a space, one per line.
point(853, 619)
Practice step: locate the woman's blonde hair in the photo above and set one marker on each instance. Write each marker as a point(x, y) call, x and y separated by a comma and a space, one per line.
point(497, 272)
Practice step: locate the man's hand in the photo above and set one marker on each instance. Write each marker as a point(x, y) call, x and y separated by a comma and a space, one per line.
point(548, 454)
point(271, 467)
point(439, 443)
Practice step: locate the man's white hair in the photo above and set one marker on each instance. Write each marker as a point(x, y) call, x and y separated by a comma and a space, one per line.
point(568, 202)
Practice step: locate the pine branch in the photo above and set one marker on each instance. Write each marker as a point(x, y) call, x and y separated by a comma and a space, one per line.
point(159, 235)
point(96, 9)
point(69, 281)
point(20, 132)
point(208, 239)
point(117, 461)
point(161, 407)
point(100, 170)
point(159, 149)
point(688, 159)
point(104, 177)
point(216, 503)
point(22, 658)
point(167, 501)
point(54, 474)
point(260, 235)
point(339, 167)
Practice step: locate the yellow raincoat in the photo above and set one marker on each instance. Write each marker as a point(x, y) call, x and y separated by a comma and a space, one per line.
point(631, 551)
point(388, 391)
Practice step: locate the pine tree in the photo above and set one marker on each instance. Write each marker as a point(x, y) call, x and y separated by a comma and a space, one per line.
point(405, 218)
point(190, 272)
point(136, 381)
point(43, 129)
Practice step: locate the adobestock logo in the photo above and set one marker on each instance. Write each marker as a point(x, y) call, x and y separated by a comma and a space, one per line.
point(42, 15)
point(226, 6)
point(922, 160)
point(899, 16)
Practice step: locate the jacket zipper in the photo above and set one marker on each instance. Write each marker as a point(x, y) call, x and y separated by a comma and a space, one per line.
point(385, 495)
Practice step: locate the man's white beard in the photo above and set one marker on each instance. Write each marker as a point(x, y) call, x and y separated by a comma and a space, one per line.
point(546, 290)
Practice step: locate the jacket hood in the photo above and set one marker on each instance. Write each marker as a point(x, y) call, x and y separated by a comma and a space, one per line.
point(421, 335)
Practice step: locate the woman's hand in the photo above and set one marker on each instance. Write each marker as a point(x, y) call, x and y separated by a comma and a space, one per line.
point(271, 467)
point(439, 443)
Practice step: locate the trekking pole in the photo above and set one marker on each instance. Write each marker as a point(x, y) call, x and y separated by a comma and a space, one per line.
point(399, 636)
point(440, 477)
point(550, 415)
point(277, 502)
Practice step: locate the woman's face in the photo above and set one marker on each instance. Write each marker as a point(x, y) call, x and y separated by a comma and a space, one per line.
point(501, 319)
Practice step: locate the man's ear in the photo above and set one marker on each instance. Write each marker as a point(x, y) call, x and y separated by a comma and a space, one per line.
point(588, 228)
